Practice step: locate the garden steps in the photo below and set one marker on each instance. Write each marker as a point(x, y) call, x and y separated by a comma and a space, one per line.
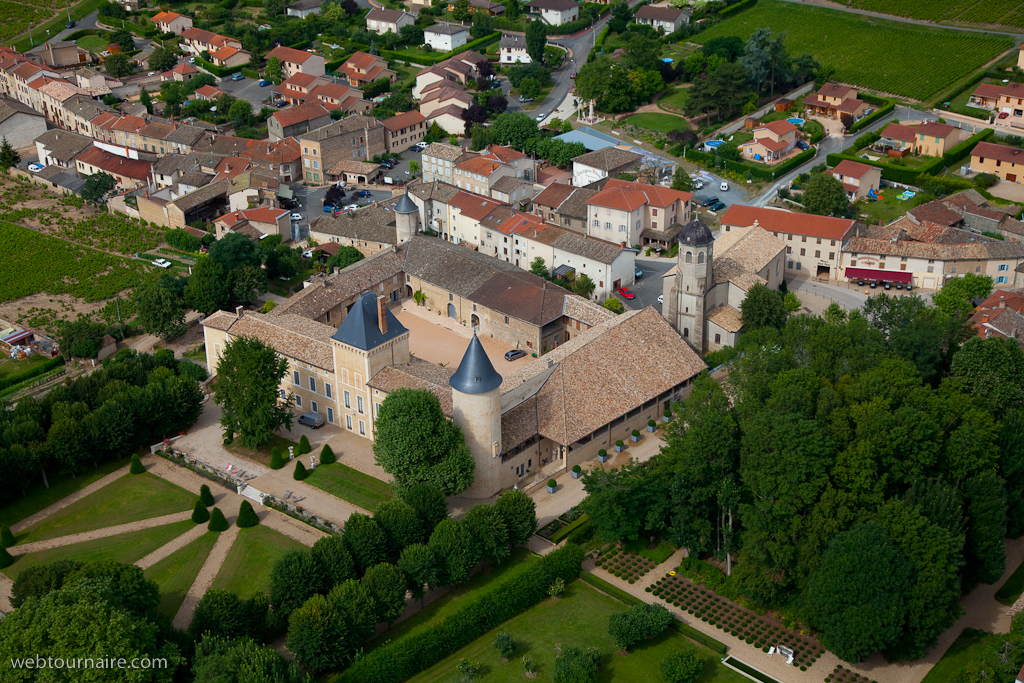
point(68, 500)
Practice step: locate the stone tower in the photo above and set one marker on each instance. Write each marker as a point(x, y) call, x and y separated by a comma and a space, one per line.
point(693, 283)
point(406, 219)
point(476, 409)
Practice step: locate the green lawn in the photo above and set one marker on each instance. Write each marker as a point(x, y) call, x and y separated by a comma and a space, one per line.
point(1014, 586)
point(537, 101)
point(129, 499)
point(262, 454)
point(95, 44)
point(40, 497)
point(675, 100)
point(661, 123)
point(176, 573)
point(54, 25)
point(579, 618)
point(246, 570)
point(886, 56)
point(458, 597)
point(10, 367)
point(658, 554)
point(889, 208)
point(966, 648)
point(351, 485)
point(127, 548)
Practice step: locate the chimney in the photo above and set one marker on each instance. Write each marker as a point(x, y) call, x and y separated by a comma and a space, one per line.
point(238, 311)
point(1002, 303)
point(382, 315)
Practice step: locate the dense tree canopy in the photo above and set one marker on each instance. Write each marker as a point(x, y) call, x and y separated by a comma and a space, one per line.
point(250, 373)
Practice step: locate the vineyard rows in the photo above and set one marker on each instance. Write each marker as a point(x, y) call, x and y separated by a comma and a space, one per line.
point(916, 62)
point(997, 12)
point(31, 263)
point(18, 17)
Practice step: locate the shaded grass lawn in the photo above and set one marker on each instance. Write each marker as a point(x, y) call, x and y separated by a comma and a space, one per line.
point(129, 499)
point(966, 648)
point(889, 208)
point(127, 548)
point(662, 123)
point(96, 43)
point(176, 573)
point(676, 100)
point(246, 570)
point(351, 485)
point(579, 619)
point(10, 367)
point(457, 598)
point(262, 454)
point(658, 554)
point(1014, 586)
point(40, 497)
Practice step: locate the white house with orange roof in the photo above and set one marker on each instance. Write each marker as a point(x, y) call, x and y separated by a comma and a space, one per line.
point(256, 223)
point(230, 56)
point(198, 41)
point(632, 213)
point(298, 87)
point(183, 73)
point(858, 179)
point(484, 174)
point(771, 142)
point(172, 22)
point(298, 62)
point(337, 96)
point(404, 130)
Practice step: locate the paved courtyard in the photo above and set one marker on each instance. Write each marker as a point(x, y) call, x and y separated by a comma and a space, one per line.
point(444, 341)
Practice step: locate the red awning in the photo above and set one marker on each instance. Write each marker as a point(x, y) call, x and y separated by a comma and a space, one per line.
point(898, 276)
point(16, 337)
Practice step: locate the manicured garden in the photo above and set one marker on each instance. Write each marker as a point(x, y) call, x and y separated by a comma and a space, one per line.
point(841, 674)
point(95, 43)
point(246, 570)
point(578, 619)
point(129, 499)
point(675, 100)
point(176, 573)
point(660, 123)
point(967, 648)
point(888, 208)
point(61, 486)
point(127, 548)
point(352, 485)
point(262, 454)
point(889, 57)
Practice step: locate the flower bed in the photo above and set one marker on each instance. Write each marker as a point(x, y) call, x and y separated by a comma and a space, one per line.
point(550, 528)
point(843, 675)
point(624, 564)
point(761, 631)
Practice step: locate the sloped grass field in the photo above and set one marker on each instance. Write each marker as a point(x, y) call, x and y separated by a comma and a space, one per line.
point(912, 61)
point(994, 12)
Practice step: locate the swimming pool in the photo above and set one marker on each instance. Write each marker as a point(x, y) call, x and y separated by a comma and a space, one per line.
point(714, 143)
point(796, 121)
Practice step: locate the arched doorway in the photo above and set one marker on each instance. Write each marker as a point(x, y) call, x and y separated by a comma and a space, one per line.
point(408, 291)
point(475, 320)
point(451, 311)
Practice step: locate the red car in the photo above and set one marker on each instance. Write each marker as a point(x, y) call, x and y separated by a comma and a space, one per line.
point(572, 75)
point(1003, 114)
point(626, 294)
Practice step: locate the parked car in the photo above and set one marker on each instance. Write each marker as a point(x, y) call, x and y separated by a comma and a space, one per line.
point(637, 273)
point(1003, 114)
point(281, 103)
point(191, 60)
point(717, 206)
point(626, 294)
point(661, 298)
point(541, 117)
point(698, 185)
point(525, 99)
point(514, 354)
point(36, 168)
point(328, 208)
point(151, 73)
point(709, 201)
point(237, 77)
point(724, 187)
point(572, 75)
point(312, 419)
point(264, 83)
point(296, 216)
point(802, 145)
point(70, 24)
point(351, 207)
point(162, 263)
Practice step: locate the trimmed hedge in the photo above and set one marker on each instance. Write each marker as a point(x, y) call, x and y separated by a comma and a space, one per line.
point(560, 535)
point(217, 521)
point(886, 108)
point(422, 648)
point(960, 152)
point(246, 516)
point(42, 368)
point(136, 467)
point(736, 9)
point(678, 626)
point(434, 59)
point(143, 32)
point(891, 172)
point(218, 71)
point(571, 27)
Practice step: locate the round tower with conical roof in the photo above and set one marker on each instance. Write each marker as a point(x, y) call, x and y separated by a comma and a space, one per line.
point(476, 409)
point(406, 218)
point(693, 283)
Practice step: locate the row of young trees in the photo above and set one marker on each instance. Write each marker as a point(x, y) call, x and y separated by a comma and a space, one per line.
point(131, 401)
point(859, 471)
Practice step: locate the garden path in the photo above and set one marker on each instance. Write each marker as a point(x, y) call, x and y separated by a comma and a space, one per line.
point(83, 536)
point(315, 501)
point(981, 611)
point(169, 548)
point(69, 499)
point(6, 584)
point(206, 575)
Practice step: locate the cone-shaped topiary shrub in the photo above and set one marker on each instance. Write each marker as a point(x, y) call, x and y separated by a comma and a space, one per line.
point(6, 537)
point(205, 495)
point(304, 446)
point(217, 521)
point(199, 513)
point(137, 466)
point(5, 559)
point(327, 456)
point(246, 516)
point(300, 471)
point(276, 461)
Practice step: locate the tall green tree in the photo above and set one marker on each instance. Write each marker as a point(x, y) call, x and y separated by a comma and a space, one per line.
point(519, 513)
point(97, 186)
point(160, 312)
point(419, 565)
point(766, 58)
point(455, 550)
point(320, 634)
point(401, 525)
point(162, 59)
point(536, 39)
point(366, 541)
point(513, 129)
point(386, 584)
point(417, 444)
point(273, 70)
point(985, 549)
point(955, 296)
point(763, 307)
point(119, 65)
point(992, 370)
point(250, 373)
point(487, 527)
point(207, 289)
point(430, 504)
point(682, 181)
point(8, 155)
point(242, 661)
point(824, 195)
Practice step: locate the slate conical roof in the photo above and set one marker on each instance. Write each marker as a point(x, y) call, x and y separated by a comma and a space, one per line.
point(475, 375)
point(361, 329)
point(405, 205)
point(696, 234)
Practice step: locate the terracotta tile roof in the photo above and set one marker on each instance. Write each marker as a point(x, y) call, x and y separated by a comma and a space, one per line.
point(586, 311)
point(409, 118)
point(988, 90)
point(473, 205)
point(519, 423)
point(576, 205)
point(371, 223)
point(657, 195)
point(505, 155)
point(621, 198)
point(1005, 299)
point(226, 53)
point(767, 143)
point(105, 120)
point(183, 69)
point(299, 80)
point(287, 54)
point(441, 150)
point(327, 291)
point(608, 159)
point(441, 191)
point(553, 195)
point(290, 335)
point(508, 184)
point(112, 163)
point(417, 374)
point(61, 90)
point(165, 17)
point(934, 128)
point(779, 127)
point(479, 166)
point(587, 247)
point(185, 135)
point(353, 166)
point(728, 270)
point(264, 214)
point(833, 90)
point(983, 249)
point(1003, 322)
point(935, 212)
point(851, 169)
point(850, 105)
point(334, 91)
point(361, 60)
point(897, 131)
point(156, 130)
point(307, 111)
point(753, 250)
point(726, 317)
point(988, 150)
point(604, 364)
point(199, 35)
point(27, 70)
point(130, 124)
point(778, 220)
